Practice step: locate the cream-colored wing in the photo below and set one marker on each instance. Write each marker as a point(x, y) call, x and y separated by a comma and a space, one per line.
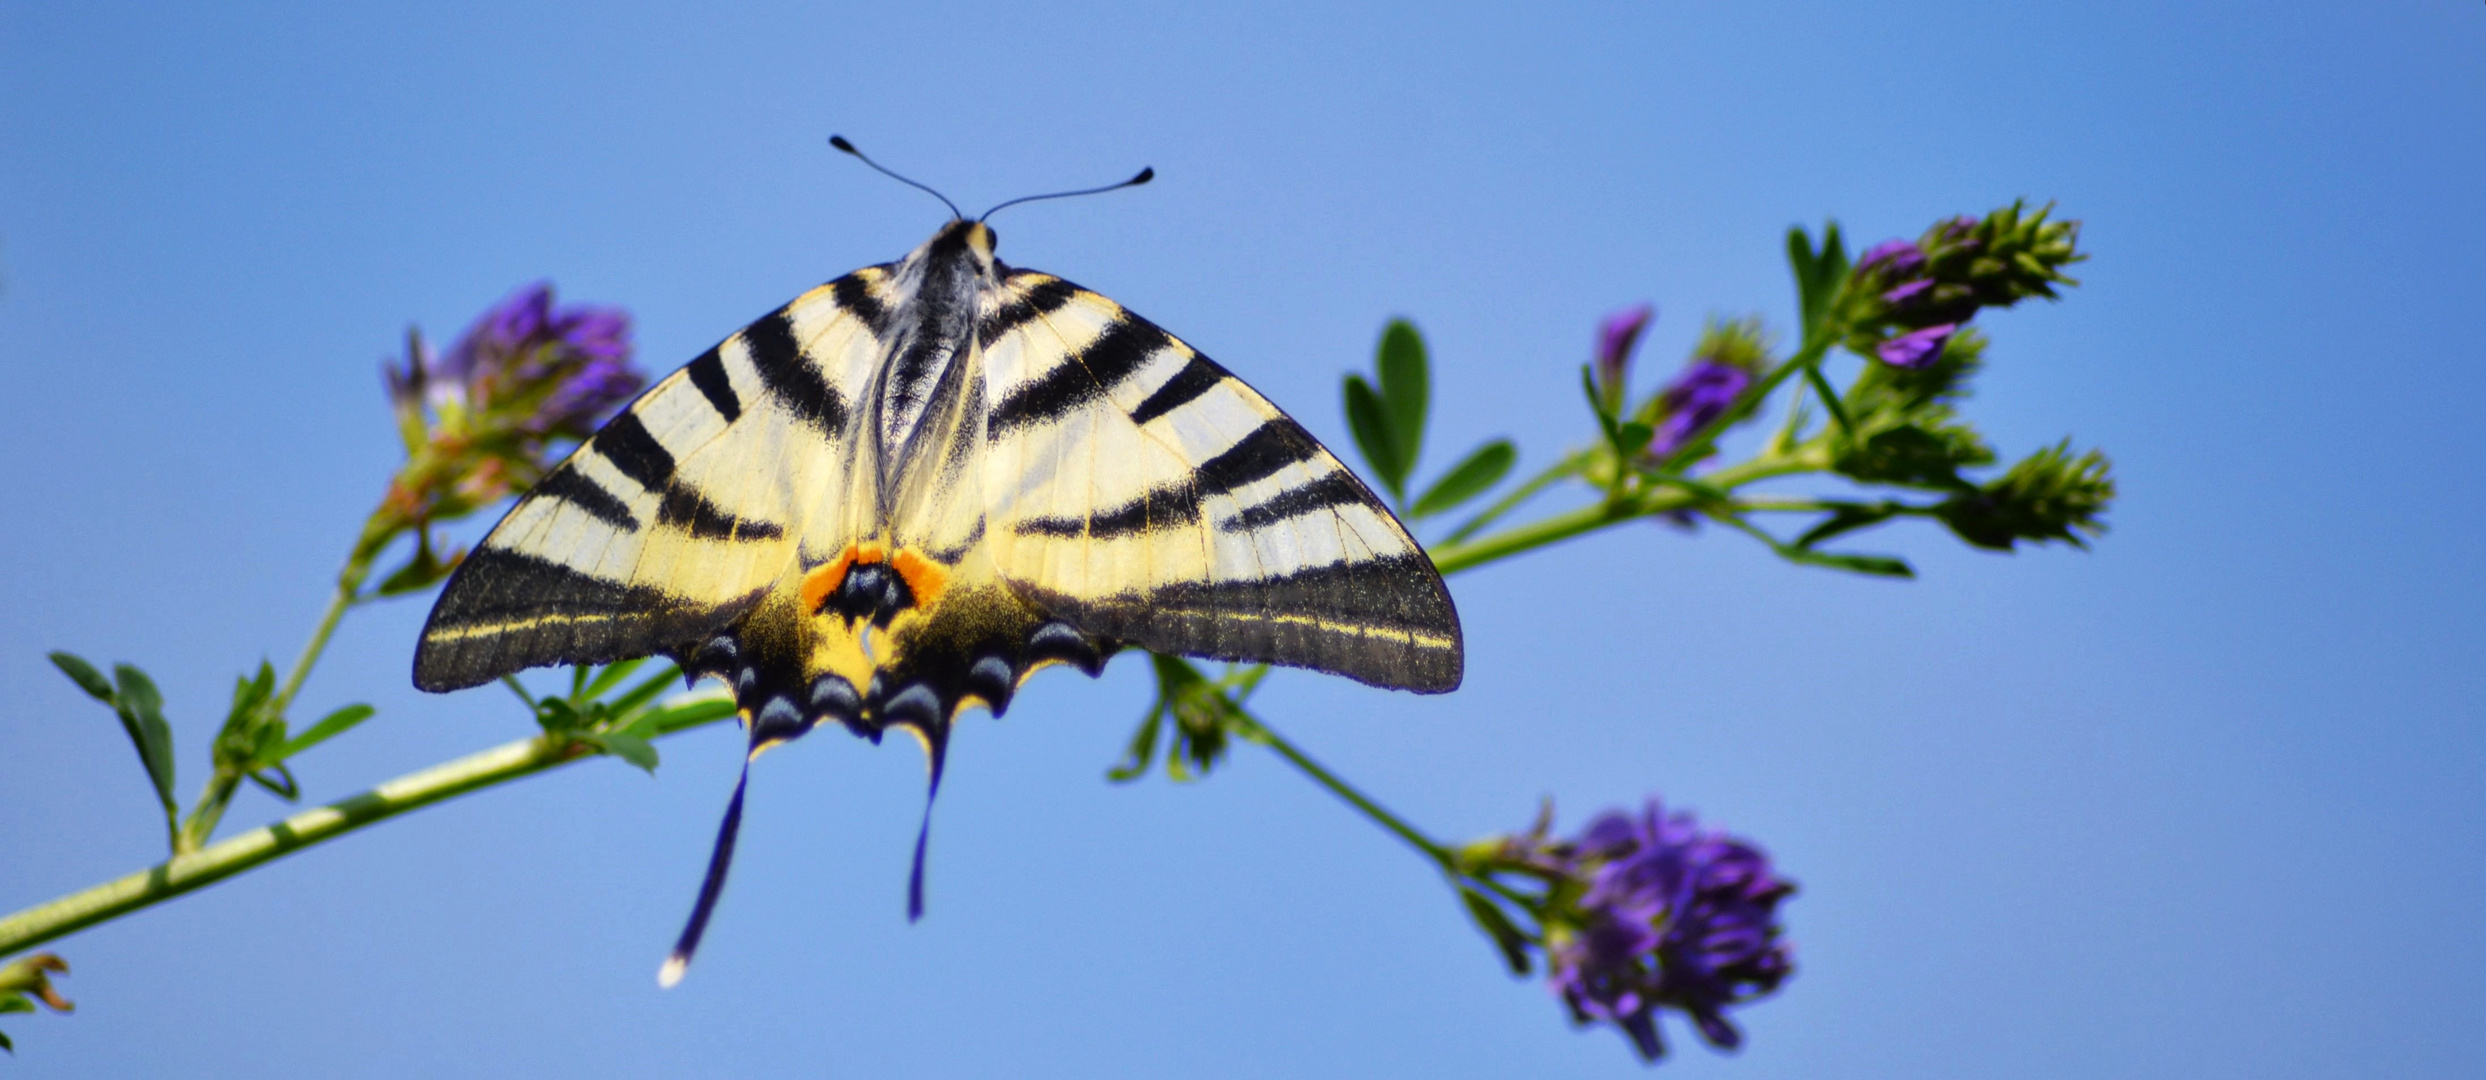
point(680, 515)
point(1138, 491)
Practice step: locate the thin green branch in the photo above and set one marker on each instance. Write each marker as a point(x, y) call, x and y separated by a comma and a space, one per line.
point(1569, 465)
point(1258, 732)
point(184, 873)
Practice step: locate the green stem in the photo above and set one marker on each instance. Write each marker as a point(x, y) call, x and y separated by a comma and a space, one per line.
point(1452, 558)
point(1259, 732)
point(1568, 465)
point(186, 872)
point(348, 593)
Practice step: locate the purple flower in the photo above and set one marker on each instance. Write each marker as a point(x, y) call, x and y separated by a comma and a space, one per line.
point(580, 401)
point(1916, 348)
point(1899, 258)
point(1672, 915)
point(1899, 297)
point(528, 365)
point(1617, 337)
point(1703, 392)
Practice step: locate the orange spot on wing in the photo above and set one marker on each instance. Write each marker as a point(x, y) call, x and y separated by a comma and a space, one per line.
point(924, 577)
point(824, 578)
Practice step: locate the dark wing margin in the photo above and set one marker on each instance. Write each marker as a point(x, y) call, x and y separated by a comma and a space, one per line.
point(506, 611)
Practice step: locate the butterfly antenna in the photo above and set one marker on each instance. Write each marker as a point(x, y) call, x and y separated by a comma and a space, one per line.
point(1145, 175)
point(839, 141)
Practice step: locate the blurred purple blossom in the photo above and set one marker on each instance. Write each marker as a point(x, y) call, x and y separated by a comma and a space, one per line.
point(1897, 258)
point(1898, 297)
point(1617, 338)
point(540, 369)
point(1701, 394)
point(480, 421)
point(1672, 915)
point(1916, 348)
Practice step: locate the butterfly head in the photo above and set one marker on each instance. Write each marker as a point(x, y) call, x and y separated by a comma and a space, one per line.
point(972, 239)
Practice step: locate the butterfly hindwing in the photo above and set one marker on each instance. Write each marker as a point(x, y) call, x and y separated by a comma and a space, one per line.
point(1142, 492)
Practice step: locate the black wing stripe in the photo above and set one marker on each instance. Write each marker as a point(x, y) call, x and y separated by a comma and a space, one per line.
point(1196, 378)
point(577, 489)
point(626, 443)
point(691, 512)
point(1271, 446)
point(708, 374)
point(791, 376)
point(1044, 298)
point(1335, 489)
point(1174, 504)
point(855, 295)
point(1120, 351)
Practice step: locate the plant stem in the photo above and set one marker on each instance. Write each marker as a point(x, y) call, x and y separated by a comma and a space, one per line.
point(1259, 732)
point(348, 593)
point(184, 873)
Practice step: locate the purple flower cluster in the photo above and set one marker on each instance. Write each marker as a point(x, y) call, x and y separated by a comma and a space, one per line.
point(1672, 915)
point(1705, 390)
point(1902, 267)
point(541, 369)
point(479, 423)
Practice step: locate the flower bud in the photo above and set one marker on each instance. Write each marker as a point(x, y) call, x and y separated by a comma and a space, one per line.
point(1617, 338)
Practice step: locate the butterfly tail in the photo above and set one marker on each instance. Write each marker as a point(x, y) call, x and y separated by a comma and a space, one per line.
point(936, 752)
point(709, 889)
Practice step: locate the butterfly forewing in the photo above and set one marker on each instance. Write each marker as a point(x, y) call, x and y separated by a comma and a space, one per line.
point(1142, 492)
point(676, 519)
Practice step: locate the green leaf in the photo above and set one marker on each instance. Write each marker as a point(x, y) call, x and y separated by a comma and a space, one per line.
point(421, 571)
point(1876, 565)
point(1632, 437)
point(666, 721)
point(610, 676)
point(1470, 478)
point(16, 1003)
point(1497, 925)
point(1847, 519)
point(648, 689)
point(83, 674)
point(329, 726)
point(287, 789)
point(1406, 389)
point(1370, 422)
point(1597, 405)
point(1143, 749)
point(630, 748)
point(1914, 456)
point(5, 1044)
point(141, 707)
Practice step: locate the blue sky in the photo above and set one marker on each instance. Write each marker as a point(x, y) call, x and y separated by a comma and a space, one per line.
point(2201, 802)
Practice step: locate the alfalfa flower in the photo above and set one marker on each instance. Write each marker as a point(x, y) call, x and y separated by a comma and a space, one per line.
point(1672, 916)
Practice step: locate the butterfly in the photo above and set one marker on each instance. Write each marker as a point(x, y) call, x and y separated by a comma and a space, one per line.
point(901, 494)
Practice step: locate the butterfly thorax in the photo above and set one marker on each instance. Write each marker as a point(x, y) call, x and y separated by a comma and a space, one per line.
point(939, 288)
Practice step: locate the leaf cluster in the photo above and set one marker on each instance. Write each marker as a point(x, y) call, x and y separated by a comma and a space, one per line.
point(1198, 717)
point(625, 724)
point(253, 744)
point(1387, 416)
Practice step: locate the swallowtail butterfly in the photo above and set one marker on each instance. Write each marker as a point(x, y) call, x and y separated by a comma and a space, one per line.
point(907, 490)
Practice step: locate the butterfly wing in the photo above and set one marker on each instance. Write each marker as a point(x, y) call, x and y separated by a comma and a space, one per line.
point(678, 517)
point(1139, 491)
